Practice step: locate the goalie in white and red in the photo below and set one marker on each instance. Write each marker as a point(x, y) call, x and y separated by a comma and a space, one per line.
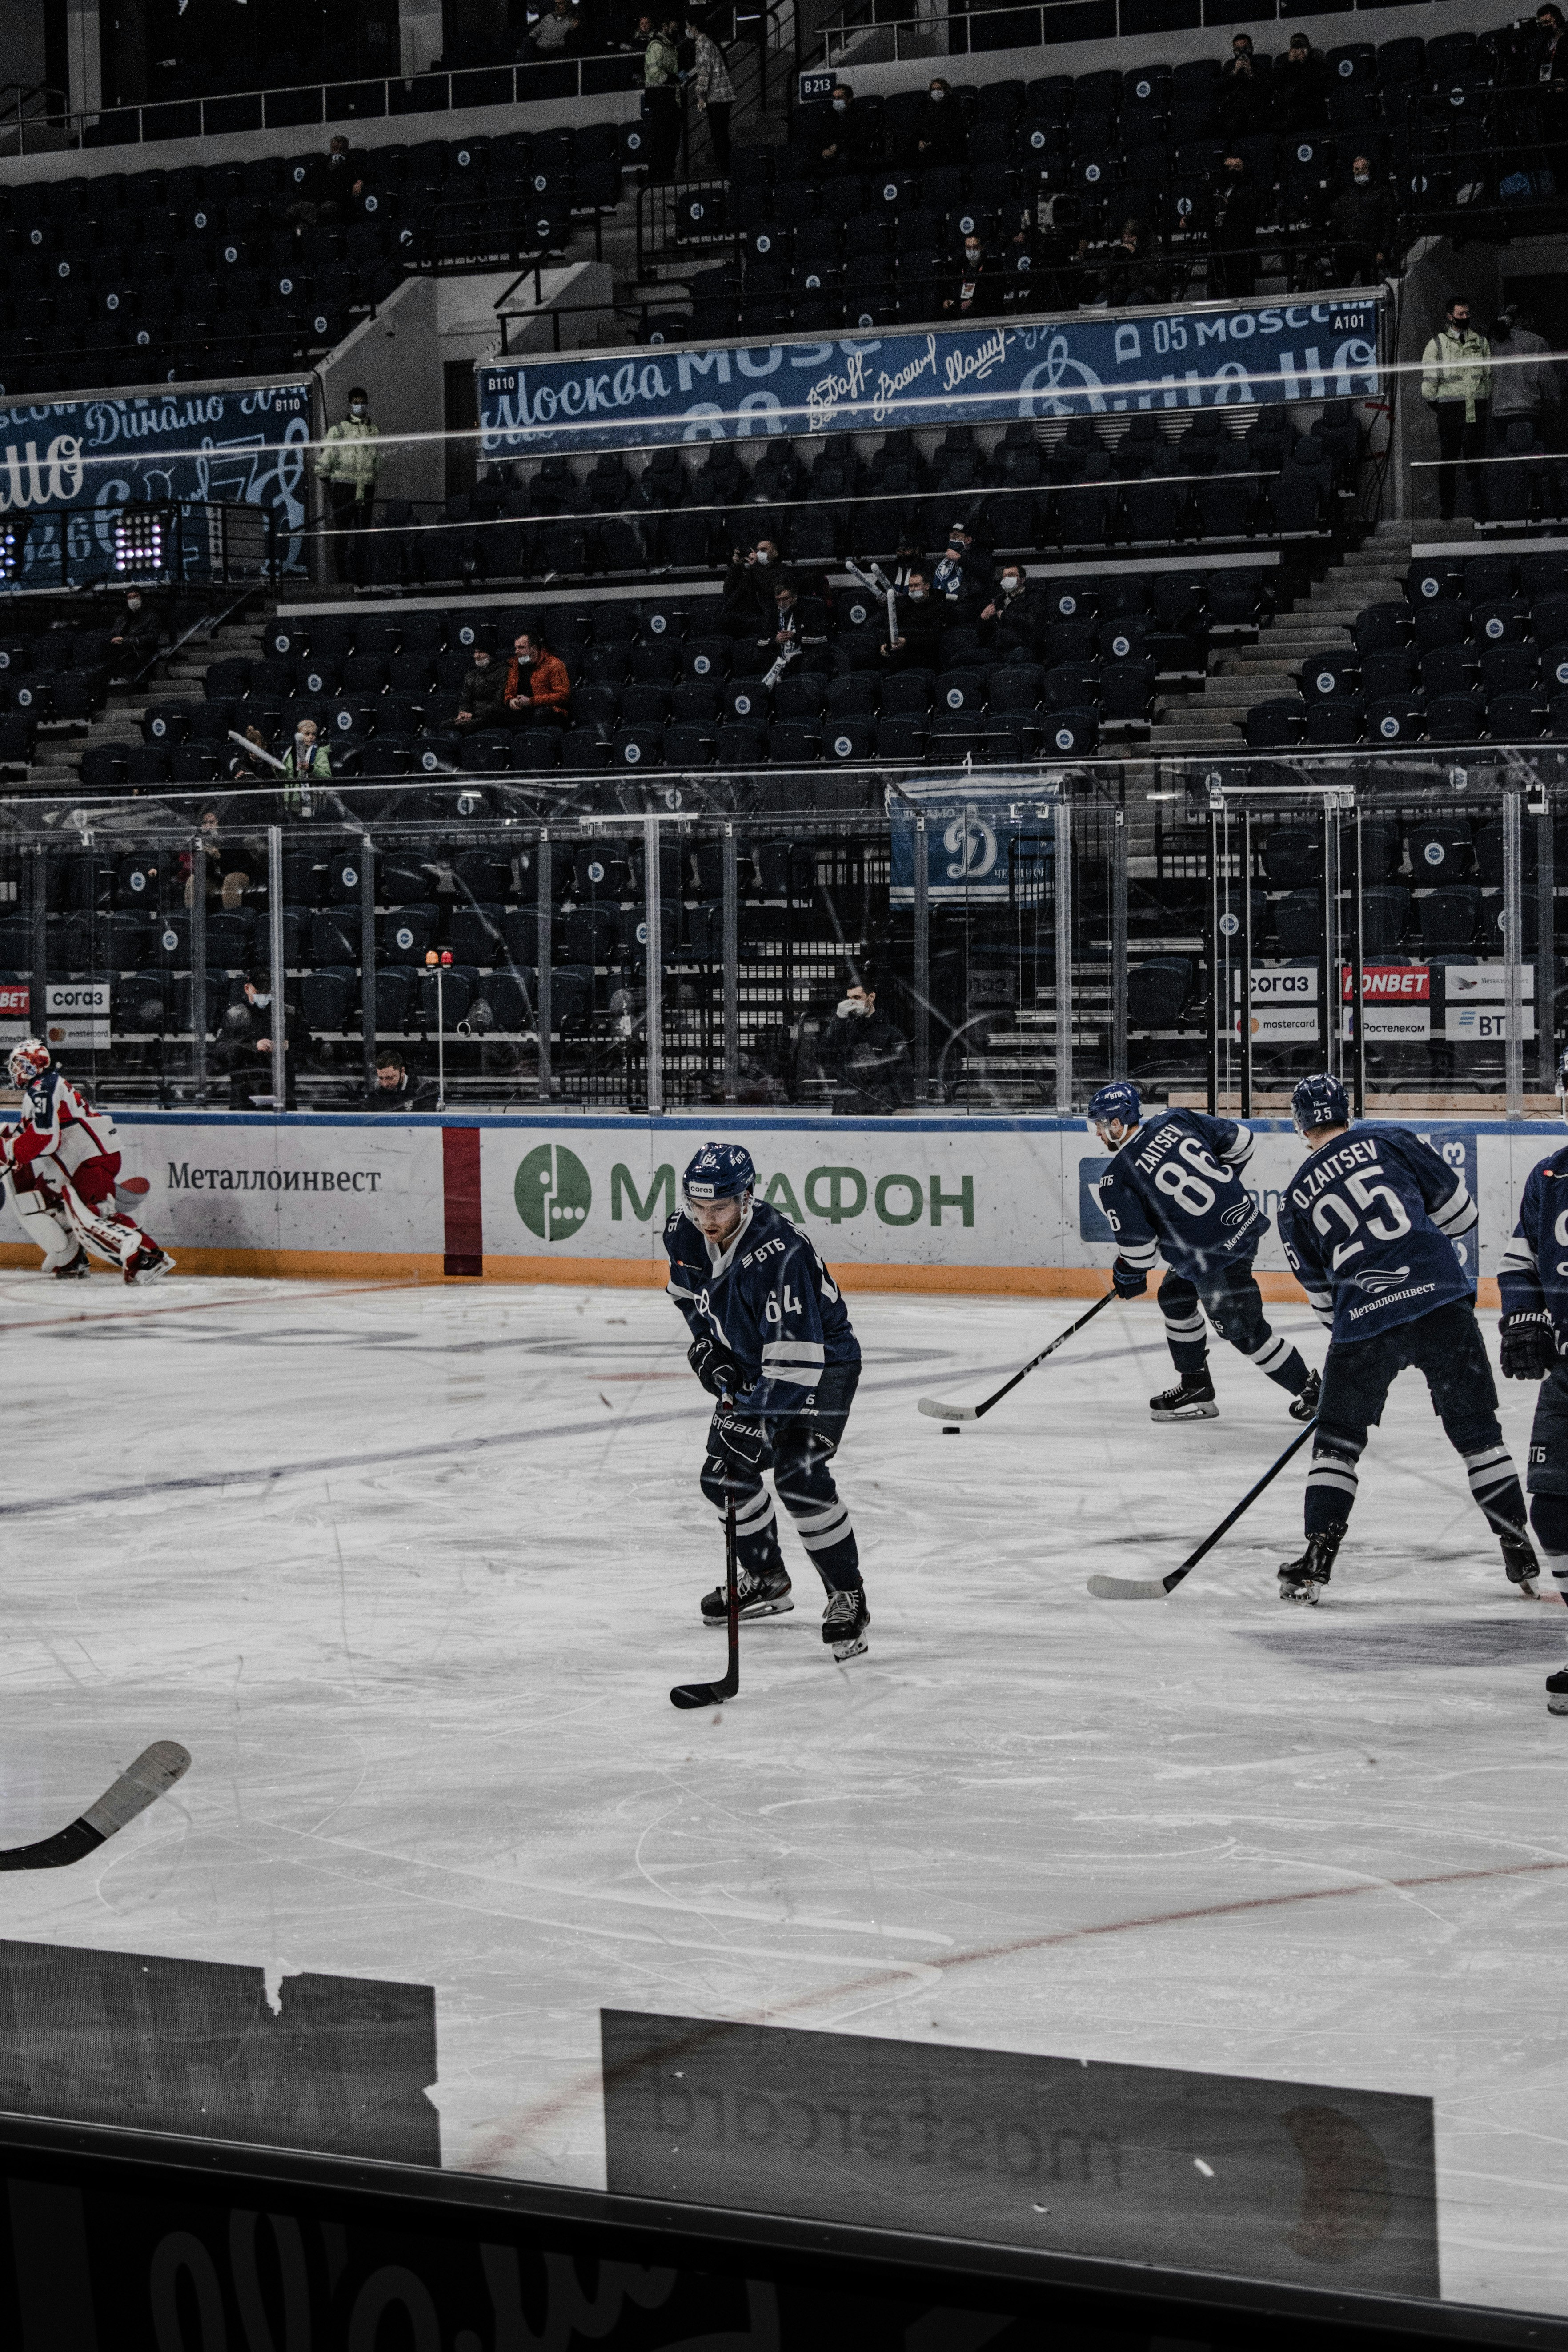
point(62, 1164)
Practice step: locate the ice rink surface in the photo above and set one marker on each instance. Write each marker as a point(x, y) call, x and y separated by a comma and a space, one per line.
point(410, 1571)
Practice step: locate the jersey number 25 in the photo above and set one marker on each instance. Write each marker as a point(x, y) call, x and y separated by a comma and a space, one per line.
point(1366, 1195)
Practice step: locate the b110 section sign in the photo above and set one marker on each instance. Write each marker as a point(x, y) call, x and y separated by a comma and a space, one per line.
point(1087, 365)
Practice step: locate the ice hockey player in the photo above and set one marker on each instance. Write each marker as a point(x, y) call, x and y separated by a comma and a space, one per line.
point(1173, 1189)
point(1533, 1283)
point(771, 1341)
point(41, 1214)
point(1369, 1223)
point(72, 1147)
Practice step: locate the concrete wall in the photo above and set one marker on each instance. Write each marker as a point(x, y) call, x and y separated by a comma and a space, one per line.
point(311, 139)
point(419, 34)
point(22, 41)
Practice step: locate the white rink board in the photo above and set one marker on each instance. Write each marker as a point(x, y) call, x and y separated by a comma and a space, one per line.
point(942, 1198)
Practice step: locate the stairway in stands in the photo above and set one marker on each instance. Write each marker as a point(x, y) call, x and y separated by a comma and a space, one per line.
point(178, 678)
point(1317, 623)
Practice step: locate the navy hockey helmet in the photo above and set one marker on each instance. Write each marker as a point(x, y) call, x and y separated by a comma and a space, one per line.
point(1116, 1101)
point(719, 1172)
point(1562, 1083)
point(1320, 1102)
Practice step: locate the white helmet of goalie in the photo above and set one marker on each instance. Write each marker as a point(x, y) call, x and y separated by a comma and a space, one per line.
point(28, 1061)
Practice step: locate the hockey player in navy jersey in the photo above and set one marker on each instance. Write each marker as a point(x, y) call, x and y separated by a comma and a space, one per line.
point(1173, 1190)
point(771, 1341)
point(1369, 1220)
point(1533, 1283)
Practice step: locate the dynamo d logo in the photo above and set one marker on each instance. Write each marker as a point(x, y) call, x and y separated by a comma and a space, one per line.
point(552, 1193)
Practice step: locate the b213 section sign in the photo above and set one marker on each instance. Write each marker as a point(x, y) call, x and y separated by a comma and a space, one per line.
point(1210, 357)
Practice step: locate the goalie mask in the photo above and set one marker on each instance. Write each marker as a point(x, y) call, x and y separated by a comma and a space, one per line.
point(28, 1062)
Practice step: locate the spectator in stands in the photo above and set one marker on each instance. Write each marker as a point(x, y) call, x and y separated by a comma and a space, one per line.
point(956, 582)
point(909, 559)
point(1525, 388)
point(1130, 274)
point(661, 100)
point(133, 640)
point(394, 1087)
point(867, 1056)
point(1456, 383)
point(1243, 92)
point(221, 863)
point(748, 606)
point(252, 765)
point(715, 90)
point(348, 465)
point(559, 29)
point(799, 621)
point(940, 138)
point(919, 618)
point(1363, 221)
point(1300, 86)
point(332, 187)
point(536, 691)
point(1011, 624)
point(482, 686)
point(1548, 50)
point(242, 1051)
point(1036, 266)
point(979, 290)
point(844, 148)
point(305, 762)
point(1233, 230)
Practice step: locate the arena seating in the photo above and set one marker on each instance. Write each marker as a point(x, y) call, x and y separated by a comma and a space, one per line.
point(56, 673)
point(1476, 650)
point(168, 276)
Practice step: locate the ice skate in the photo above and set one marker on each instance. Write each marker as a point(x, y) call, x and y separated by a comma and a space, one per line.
point(1305, 1406)
point(1191, 1399)
point(1520, 1563)
point(1300, 1579)
point(1557, 1692)
point(75, 1269)
point(760, 1596)
point(149, 1264)
point(844, 1624)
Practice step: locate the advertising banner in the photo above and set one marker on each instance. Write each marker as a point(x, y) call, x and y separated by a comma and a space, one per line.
point(1397, 1000)
point(1206, 357)
point(974, 851)
point(67, 465)
point(76, 1013)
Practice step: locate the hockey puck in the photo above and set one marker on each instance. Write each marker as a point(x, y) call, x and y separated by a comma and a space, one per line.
point(950, 1429)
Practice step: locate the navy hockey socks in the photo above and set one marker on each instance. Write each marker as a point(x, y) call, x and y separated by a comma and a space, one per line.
point(1494, 1483)
point(1548, 1517)
point(1331, 1485)
point(1284, 1364)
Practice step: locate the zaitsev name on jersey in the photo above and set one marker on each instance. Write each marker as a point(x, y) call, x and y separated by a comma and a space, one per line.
point(1369, 1224)
point(1174, 1191)
point(768, 1300)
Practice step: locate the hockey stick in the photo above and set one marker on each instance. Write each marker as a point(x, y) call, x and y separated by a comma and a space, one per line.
point(1156, 1588)
point(715, 1694)
point(930, 1406)
point(140, 1784)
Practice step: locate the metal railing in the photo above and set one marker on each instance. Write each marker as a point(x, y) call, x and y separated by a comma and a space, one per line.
point(226, 542)
point(873, 39)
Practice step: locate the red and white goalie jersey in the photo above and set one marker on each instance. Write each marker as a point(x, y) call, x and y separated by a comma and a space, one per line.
point(60, 1123)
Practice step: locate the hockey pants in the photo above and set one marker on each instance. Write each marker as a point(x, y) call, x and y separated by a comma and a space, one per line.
point(1547, 1476)
point(1234, 1304)
point(85, 1200)
point(798, 1449)
point(1446, 1348)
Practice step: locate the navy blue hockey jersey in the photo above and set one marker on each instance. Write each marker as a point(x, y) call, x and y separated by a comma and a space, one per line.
point(768, 1300)
point(1369, 1224)
point(1534, 1271)
point(1174, 1191)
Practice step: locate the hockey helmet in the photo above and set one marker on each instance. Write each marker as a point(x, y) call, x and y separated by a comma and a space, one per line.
point(719, 1172)
point(1562, 1083)
point(1117, 1102)
point(28, 1061)
point(1320, 1102)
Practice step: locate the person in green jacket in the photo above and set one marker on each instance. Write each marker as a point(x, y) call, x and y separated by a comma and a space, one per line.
point(347, 464)
point(661, 98)
point(1456, 383)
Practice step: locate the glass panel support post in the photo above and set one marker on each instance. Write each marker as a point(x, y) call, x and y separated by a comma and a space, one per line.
point(1063, 879)
point(367, 1017)
point(1514, 953)
point(653, 882)
point(732, 954)
point(1243, 999)
point(543, 1008)
point(275, 930)
point(1119, 945)
point(198, 970)
point(919, 977)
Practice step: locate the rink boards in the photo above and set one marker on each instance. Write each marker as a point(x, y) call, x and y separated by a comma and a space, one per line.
point(922, 1204)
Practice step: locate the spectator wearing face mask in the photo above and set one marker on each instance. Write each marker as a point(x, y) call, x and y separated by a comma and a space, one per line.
point(1243, 91)
point(798, 622)
point(940, 140)
point(908, 558)
point(918, 616)
point(1456, 383)
point(956, 580)
point(348, 465)
point(481, 690)
point(134, 638)
point(1233, 231)
point(979, 290)
point(844, 136)
point(332, 186)
point(536, 691)
point(1363, 224)
point(1010, 623)
point(1525, 387)
point(865, 1055)
point(243, 1050)
point(748, 606)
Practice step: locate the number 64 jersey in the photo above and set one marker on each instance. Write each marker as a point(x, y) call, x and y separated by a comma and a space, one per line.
point(1369, 1224)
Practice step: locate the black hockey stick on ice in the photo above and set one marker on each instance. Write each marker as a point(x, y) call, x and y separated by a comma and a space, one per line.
point(715, 1694)
point(973, 1412)
point(1156, 1588)
point(140, 1784)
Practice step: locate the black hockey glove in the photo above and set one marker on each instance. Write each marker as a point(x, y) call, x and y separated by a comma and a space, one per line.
point(740, 1442)
point(717, 1374)
point(1529, 1345)
point(1127, 1280)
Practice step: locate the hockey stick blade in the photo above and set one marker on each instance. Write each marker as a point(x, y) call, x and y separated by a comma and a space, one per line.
point(949, 1411)
point(1160, 1588)
point(140, 1784)
point(1129, 1588)
point(689, 1695)
point(976, 1412)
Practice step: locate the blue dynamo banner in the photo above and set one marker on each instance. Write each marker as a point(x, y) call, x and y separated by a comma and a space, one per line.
point(67, 465)
point(1091, 364)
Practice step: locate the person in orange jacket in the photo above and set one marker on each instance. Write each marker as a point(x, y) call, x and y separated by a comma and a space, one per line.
point(538, 691)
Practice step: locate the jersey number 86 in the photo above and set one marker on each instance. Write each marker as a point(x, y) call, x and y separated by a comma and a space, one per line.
point(1189, 1192)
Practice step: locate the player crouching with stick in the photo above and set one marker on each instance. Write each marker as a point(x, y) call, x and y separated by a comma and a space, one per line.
point(1369, 1223)
point(68, 1146)
point(1533, 1283)
point(1173, 1189)
point(771, 1340)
